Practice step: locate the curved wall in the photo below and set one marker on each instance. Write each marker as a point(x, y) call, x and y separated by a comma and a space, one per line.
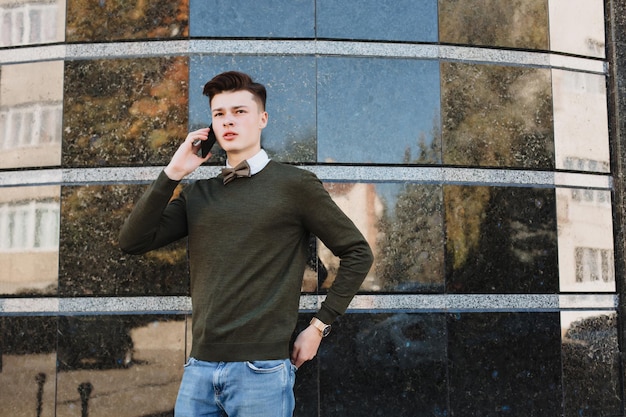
point(469, 141)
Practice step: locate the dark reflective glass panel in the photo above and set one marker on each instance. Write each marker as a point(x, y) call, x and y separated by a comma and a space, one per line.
point(402, 20)
point(108, 20)
point(28, 366)
point(119, 365)
point(591, 364)
point(373, 110)
point(245, 18)
point(124, 112)
point(523, 24)
point(496, 116)
point(290, 82)
point(403, 223)
point(90, 261)
point(384, 365)
point(504, 364)
point(500, 240)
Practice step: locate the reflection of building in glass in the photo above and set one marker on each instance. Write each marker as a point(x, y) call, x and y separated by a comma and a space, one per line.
point(24, 22)
point(585, 240)
point(29, 239)
point(31, 116)
point(364, 207)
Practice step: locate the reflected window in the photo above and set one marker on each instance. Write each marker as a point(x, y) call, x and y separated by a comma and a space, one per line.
point(594, 265)
point(29, 240)
point(581, 130)
point(29, 23)
point(31, 103)
point(30, 126)
point(29, 225)
point(586, 260)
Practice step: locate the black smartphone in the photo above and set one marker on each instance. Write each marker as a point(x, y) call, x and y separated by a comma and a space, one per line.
point(206, 145)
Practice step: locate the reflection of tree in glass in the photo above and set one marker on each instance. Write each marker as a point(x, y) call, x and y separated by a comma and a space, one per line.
point(410, 247)
point(102, 20)
point(492, 116)
point(508, 23)
point(124, 112)
point(90, 259)
point(500, 239)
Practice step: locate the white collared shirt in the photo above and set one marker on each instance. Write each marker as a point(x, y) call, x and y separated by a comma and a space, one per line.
point(257, 162)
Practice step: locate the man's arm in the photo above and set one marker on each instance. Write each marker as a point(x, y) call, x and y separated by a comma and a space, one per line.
point(326, 220)
point(155, 222)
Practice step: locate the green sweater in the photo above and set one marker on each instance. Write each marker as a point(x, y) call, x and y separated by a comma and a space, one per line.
point(248, 243)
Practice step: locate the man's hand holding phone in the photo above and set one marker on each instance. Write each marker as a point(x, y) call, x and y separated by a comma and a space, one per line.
point(190, 154)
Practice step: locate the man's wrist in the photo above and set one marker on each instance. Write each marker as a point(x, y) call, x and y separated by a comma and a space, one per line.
point(173, 174)
point(323, 328)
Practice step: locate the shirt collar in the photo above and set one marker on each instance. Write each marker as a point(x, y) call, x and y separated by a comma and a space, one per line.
point(257, 162)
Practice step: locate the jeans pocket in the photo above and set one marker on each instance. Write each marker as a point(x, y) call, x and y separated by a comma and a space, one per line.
point(266, 367)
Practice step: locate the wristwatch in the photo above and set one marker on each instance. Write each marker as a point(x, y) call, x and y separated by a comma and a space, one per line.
point(321, 326)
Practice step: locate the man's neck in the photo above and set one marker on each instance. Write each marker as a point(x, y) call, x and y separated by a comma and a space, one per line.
point(235, 158)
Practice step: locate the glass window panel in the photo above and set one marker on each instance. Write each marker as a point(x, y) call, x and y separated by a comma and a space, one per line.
point(112, 363)
point(245, 18)
point(500, 240)
point(107, 20)
point(585, 240)
point(28, 366)
point(401, 20)
point(31, 22)
point(581, 130)
point(29, 240)
point(577, 27)
point(403, 224)
point(290, 83)
point(591, 358)
point(505, 23)
point(31, 99)
point(372, 110)
point(398, 357)
point(91, 262)
point(504, 364)
point(496, 116)
point(124, 112)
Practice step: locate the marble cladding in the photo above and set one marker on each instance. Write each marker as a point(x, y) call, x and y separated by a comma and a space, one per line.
point(498, 298)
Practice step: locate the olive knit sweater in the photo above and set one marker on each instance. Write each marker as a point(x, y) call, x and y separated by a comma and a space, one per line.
point(248, 243)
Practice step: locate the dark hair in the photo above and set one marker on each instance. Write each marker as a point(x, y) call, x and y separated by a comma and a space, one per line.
point(235, 81)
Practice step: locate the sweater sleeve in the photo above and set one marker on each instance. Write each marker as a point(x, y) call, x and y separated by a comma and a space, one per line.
point(331, 225)
point(155, 221)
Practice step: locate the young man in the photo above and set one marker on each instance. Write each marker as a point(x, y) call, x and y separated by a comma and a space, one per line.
point(248, 237)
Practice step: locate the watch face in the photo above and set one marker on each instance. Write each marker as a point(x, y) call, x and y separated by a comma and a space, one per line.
point(326, 331)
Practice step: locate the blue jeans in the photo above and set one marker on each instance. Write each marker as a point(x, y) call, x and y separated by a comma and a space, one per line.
point(236, 389)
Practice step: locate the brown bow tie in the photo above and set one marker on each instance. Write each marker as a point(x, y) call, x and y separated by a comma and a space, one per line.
point(241, 170)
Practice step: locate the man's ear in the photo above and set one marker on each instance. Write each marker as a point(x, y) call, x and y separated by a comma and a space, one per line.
point(263, 121)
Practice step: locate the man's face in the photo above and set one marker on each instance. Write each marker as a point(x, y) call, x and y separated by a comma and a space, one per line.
point(237, 122)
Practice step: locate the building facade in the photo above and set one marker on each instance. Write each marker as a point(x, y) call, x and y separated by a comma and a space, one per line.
point(477, 144)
